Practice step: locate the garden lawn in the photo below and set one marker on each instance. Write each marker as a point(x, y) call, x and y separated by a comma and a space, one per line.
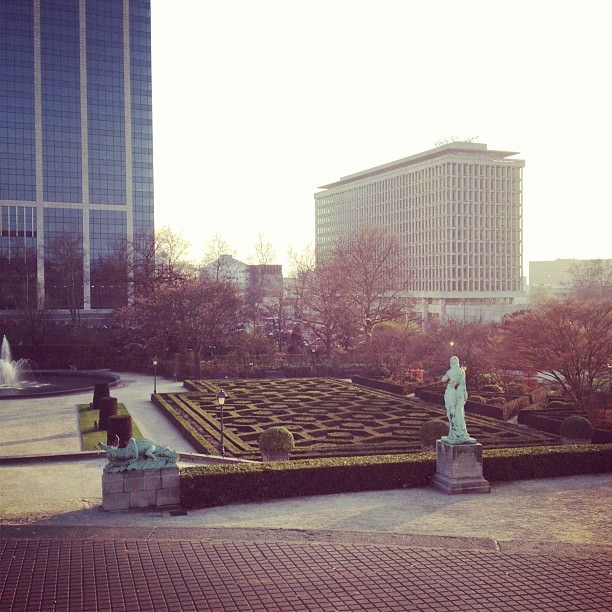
point(91, 436)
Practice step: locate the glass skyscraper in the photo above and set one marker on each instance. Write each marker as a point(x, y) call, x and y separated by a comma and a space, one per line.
point(76, 150)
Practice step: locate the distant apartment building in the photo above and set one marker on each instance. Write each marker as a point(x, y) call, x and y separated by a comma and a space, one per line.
point(556, 276)
point(76, 149)
point(263, 281)
point(456, 212)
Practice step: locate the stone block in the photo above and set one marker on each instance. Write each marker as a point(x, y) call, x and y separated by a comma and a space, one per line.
point(143, 499)
point(459, 468)
point(115, 501)
point(141, 489)
point(168, 497)
point(170, 477)
point(112, 483)
point(151, 480)
point(133, 481)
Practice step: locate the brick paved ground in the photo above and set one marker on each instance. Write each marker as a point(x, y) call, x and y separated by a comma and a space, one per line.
point(124, 569)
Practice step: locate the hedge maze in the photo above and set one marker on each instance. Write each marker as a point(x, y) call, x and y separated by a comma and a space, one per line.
point(328, 418)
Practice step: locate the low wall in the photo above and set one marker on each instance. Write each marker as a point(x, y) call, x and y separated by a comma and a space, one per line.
point(141, 489)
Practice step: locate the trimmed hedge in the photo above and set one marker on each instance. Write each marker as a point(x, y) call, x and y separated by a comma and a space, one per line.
point(503, 464)
point(215, 485)
point(198, 441)
point(550, 419)
point(383, 385)
point(498, 407)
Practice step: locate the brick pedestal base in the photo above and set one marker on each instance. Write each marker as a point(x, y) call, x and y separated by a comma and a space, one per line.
point(141, 489)
point(459, 469)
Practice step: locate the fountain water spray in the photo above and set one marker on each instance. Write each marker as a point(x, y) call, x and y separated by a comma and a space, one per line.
point(9, 370)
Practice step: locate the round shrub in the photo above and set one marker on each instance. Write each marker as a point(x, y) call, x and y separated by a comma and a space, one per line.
point(576, 427)
point(432, 430)
point(276, 439)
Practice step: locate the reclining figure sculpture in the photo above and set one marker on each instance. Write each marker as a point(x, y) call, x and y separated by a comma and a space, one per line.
point(138, 454)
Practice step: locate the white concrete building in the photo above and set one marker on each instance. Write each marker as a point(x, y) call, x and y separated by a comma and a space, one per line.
point(457, 213)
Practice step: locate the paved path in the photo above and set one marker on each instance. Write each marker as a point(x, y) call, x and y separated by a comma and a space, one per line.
point(136, 569)
point(531, 545)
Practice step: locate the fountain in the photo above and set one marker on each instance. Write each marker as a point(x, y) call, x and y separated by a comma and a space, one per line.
point(18, 380)
point(10, 371)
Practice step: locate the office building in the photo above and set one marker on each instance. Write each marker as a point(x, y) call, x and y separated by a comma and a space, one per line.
point(456, 212)
point(263, 281)
point(76, 150)
point(557, 276)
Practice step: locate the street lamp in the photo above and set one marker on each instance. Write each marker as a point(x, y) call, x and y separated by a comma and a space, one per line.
point(154, 375)
point(221, 399)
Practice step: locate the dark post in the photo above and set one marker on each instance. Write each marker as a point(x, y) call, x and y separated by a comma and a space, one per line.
point(119, 425)
point(100, 390)
point(108, 408)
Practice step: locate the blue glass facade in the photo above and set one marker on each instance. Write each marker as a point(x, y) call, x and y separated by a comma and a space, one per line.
point(64, 250)
point(17, 257)
point(17, 120)
point(61, 108)
point(105, 102)
point(142, 128)
point(76, 145)
point(108, 252)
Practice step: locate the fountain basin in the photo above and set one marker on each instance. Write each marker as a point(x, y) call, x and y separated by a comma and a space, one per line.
point(40, 383)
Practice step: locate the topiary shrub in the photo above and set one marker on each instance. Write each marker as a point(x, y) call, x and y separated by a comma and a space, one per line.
point(120, 426)
point(576, 427)
point(276, 443)
point(107, 408)
point(431, 431)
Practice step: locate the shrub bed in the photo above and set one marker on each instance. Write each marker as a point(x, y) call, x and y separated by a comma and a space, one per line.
point(550, 419)
point(383, 385)
point(215, 485)
point(90, 435)
point(494, 405)
point(502, 464)
point(205, 486)
point(372, 422)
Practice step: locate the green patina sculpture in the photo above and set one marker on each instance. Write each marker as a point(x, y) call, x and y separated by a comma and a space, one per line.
point(455, 397)
point(141, 454)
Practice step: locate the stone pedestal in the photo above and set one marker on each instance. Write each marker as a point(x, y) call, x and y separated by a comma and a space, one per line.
point(459, 468)
point(141, 489)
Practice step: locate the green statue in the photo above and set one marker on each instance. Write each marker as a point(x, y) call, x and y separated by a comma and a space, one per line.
point(141, 454)
point(455, 397)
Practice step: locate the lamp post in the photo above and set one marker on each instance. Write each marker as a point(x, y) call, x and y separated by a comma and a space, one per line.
point(154, 375)
point(221, 399)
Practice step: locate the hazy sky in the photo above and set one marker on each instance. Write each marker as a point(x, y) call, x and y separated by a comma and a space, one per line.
point(256, 103)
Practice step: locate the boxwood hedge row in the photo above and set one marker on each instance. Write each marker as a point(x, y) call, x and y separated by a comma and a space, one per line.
point(214, 485)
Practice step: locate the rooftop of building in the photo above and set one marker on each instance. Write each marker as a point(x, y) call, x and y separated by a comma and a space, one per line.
point(473, 149)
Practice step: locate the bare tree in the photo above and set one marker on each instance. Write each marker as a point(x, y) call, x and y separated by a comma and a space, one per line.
point(592, 279)
point(570, 341)
point(368, 263)
point(264, 252)
point(64, 274)
point(215, 257)
point(187, 314)
point(301, 266)
point(171, 251)
point(325, 307)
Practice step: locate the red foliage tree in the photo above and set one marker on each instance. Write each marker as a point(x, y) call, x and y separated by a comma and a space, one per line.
point(569, 341)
